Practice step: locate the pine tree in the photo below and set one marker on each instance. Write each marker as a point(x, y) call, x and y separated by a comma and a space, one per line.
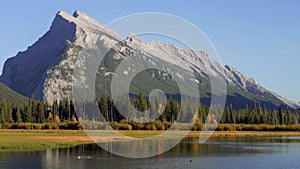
point(6, 112)
point(142, 102)
point(167, 113)
point(40, 109)
point(16, 114)
point(274, 118)
point(54, 108)
point(111, 110)
point(175, 108)
point(2, 112)
point(72, 111)
point(288, 116)
point(103, 106)
point(281, 116)
point(65, 109)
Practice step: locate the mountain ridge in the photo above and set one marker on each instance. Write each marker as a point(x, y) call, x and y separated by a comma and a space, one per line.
point(39, 69)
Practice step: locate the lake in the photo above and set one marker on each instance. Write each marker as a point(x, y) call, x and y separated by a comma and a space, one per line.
point(217, 153)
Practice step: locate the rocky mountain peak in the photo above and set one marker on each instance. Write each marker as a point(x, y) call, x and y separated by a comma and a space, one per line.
point(44, 69)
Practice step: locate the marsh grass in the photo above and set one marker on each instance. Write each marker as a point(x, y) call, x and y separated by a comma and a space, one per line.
point(31, 144)
point(32, 140)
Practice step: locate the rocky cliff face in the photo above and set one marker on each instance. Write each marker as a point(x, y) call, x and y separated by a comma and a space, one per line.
point(46, 68)
point(30, 72)
point(26, 72)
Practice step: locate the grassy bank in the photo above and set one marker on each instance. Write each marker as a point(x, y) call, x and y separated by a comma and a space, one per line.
point(30, 140)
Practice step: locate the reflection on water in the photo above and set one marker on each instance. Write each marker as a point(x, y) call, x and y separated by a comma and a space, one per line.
point(218, 153)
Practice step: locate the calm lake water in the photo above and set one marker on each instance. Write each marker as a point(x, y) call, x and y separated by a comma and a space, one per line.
point(221, 153)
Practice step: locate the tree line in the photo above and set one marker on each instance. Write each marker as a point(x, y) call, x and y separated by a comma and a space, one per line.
point(169, 110)
point(36, 111)
point(255, 115)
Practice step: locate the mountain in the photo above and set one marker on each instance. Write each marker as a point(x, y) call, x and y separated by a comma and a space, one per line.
point(46, 68)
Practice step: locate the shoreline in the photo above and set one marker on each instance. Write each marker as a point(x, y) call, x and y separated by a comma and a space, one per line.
point(35, 140)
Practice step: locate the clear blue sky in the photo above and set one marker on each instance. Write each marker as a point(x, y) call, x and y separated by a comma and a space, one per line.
point(259, 38)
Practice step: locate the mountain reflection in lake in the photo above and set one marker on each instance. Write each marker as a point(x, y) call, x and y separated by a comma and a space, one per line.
point(218, 153)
